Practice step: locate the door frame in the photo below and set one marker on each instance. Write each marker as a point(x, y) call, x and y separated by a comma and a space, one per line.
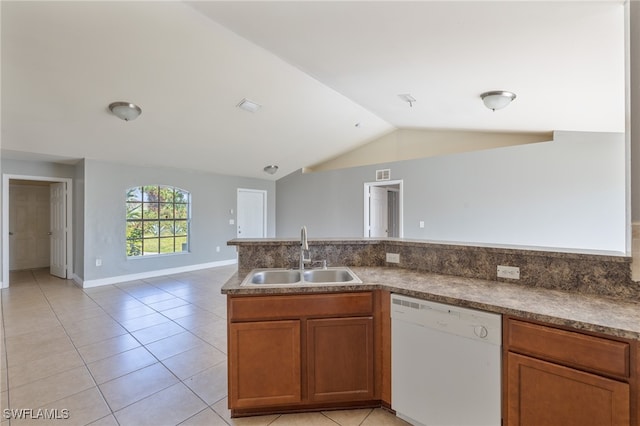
point(264, 208)
point(5, 220)
point(366, 221)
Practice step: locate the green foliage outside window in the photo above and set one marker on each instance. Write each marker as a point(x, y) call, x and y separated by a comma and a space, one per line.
point(157, 220)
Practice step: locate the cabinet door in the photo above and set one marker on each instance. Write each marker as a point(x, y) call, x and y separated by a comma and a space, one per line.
point(540, 393)
point(264, 363)
point(340, 359)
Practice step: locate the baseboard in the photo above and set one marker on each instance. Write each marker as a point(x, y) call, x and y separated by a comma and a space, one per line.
point(77, 280)
point(150, 274)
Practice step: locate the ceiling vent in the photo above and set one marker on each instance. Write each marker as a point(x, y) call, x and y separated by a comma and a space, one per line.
point(384, 174)
point(248, 105)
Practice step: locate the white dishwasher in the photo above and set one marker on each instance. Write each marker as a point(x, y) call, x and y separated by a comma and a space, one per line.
point(446, 364)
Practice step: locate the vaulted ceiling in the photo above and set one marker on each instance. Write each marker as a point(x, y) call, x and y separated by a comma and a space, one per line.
point(327, 75)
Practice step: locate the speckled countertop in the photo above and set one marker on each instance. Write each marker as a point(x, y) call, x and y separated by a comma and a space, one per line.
point(595, 313)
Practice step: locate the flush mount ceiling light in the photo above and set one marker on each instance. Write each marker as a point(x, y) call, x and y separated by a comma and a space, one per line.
point(497, 99)
point(125, 110)
point(407, 98)
point(248, 105)
point(271, 169)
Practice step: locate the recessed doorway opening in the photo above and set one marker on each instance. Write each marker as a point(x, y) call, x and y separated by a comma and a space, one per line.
point(36, 225)
point(383, 209)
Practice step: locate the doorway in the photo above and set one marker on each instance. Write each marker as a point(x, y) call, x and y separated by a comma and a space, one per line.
point(383, 209)
point(29, 229)
point(252, 213)
point(36, 225)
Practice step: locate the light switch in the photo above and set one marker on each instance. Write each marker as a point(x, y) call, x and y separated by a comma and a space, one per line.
point(422, 224)
point(232, 222)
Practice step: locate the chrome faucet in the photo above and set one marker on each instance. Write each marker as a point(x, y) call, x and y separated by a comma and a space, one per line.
point(304, 246)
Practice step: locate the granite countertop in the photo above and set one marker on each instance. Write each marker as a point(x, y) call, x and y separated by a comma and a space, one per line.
point(614, 317)
point(498, 248)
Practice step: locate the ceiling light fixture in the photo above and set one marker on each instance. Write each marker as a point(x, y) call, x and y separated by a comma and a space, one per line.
point(248, 105)
point(125, 110)
point(407, 98)
point(497, 99)
point(271, 169)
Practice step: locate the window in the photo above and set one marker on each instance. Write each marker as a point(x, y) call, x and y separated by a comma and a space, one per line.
point(157, 220)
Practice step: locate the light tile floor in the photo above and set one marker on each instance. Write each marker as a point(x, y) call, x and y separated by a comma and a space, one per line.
point(147, 352)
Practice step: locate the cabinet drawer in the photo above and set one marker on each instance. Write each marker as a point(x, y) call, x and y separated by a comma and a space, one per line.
point(245, 308)
point(574, 349)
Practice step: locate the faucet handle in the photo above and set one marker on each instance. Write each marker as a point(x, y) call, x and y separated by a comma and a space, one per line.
point(322, 263)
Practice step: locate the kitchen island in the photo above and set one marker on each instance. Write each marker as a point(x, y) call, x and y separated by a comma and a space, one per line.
point(595, 325)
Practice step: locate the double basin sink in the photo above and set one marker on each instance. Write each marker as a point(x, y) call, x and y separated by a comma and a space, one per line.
point(334, 275)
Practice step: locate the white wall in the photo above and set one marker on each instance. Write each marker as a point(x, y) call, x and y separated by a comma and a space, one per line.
point(99, 190)
point(213, 196)
point(78, 219)
point(568, 194)
point(635, 107)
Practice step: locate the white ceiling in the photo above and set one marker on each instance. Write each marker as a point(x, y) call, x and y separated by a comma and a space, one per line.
point(317, 68)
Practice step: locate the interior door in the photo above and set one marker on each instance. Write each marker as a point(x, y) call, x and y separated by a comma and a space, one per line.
point(252, 213)
point(378, 212)
point(58, 230)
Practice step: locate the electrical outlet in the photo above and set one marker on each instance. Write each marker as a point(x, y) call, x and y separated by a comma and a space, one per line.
point(511, 272)
point(393, 257)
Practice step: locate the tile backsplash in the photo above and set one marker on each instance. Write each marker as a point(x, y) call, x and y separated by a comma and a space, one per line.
point(584, 273)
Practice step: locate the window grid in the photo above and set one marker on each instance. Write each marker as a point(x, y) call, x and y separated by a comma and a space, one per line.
point(158, 220)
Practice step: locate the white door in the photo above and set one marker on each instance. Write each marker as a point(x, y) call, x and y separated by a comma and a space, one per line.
point(378, 212)
point(58, 229)
point(252, 213)
point(28, 226)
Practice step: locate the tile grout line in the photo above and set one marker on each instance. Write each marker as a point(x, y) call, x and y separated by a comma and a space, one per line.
point(208, 406)
point(6, 354)
point(95, 384)
point(33, 277)
point(85, 364)
point(113, 413)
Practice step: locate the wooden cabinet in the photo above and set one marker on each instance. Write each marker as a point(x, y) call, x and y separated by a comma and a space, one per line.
point(265, 367)
point(340, 359)
point(303, 351)
point(295, 352)
point(542, 393)
point(560, 377)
